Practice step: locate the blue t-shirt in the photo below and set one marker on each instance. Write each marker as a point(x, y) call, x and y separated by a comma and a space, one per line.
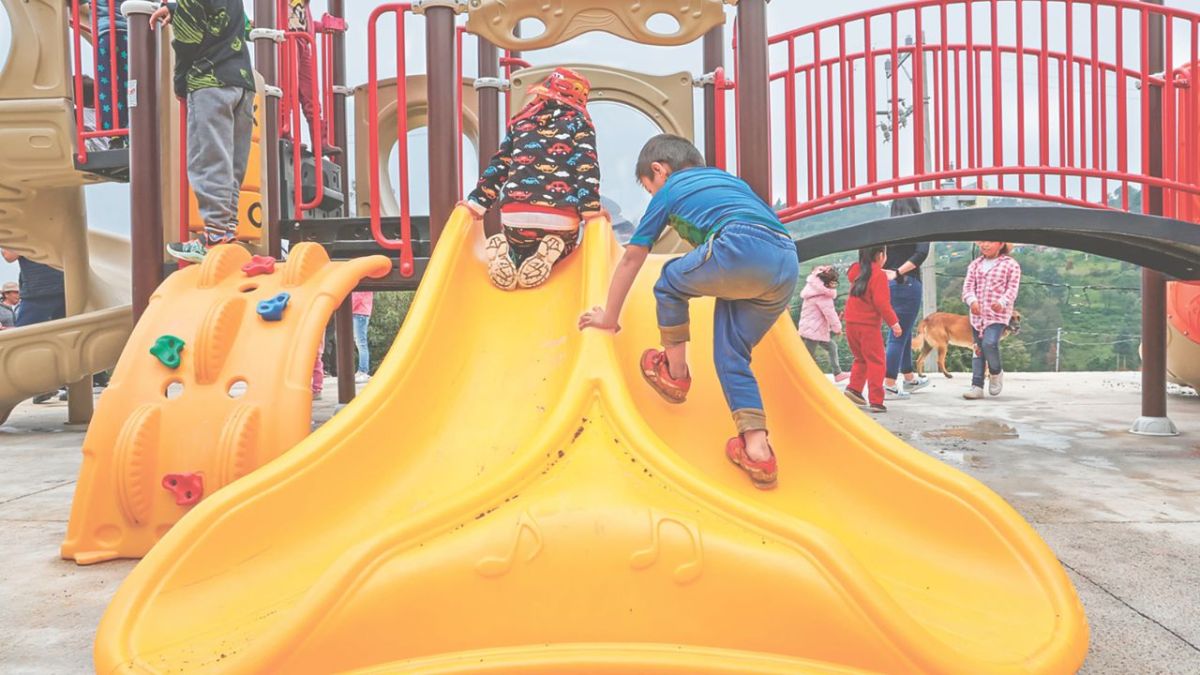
point(698, 202)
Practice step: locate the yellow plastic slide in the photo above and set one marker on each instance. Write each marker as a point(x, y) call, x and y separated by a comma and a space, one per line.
point(507, 495)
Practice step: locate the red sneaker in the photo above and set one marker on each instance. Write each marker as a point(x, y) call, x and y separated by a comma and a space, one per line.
point(764, 475)
point(654, 369)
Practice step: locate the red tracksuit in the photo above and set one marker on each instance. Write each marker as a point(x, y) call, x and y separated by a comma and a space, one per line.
point(863, 316)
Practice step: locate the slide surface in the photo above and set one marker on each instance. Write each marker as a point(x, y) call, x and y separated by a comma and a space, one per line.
point(508, 495)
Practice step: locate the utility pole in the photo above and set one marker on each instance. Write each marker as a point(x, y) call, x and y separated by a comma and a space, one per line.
point(929, 291)
point(1057, 348)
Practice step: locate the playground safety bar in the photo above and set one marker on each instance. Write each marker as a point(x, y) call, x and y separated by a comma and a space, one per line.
point(958, 97)
point(117, 130)
point(328, 27)
point(404, 243)
point(720, 86)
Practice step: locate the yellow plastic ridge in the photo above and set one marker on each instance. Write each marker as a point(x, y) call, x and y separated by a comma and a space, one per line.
point(509, 496)
point(239, 397)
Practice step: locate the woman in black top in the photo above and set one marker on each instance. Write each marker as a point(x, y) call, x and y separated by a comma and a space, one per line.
point(903, 268)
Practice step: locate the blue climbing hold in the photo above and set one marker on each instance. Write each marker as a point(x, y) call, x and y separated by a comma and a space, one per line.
point(272, 310)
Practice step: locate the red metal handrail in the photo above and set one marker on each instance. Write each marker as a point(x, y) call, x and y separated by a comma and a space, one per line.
point(404, 243)
point(720, 84)
point(962, 92)
point(82, 135)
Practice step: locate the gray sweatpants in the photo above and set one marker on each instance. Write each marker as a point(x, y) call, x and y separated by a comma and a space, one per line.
point(220, 124)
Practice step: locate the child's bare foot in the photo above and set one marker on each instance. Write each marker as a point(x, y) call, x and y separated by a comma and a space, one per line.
point(677, 364)
point(756, 445)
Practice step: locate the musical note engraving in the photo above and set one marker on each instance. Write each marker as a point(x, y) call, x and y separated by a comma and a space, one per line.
point(684, 573)
point(495, 566)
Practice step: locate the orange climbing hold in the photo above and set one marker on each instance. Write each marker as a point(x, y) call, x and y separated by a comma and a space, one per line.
point(236, 398)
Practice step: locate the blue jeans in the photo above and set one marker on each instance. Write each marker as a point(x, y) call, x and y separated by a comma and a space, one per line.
point(361, 323)
point(906, 301)
point(40, 310)
point(752, 273)
point(987, 348)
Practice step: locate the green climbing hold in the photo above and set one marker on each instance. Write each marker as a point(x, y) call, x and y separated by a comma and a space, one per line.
point(166, 349)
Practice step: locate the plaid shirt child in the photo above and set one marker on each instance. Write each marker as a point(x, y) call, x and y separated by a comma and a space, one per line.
point(989, 282)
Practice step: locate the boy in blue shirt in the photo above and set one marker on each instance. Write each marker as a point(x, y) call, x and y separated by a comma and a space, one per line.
point(744, 257)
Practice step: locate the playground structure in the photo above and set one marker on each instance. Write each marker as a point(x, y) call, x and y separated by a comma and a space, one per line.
point(913, 609)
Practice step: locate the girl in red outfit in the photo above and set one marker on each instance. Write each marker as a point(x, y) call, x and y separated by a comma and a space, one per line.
point(869, 304)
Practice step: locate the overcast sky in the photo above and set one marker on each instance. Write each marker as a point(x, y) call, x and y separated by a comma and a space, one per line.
point(621, 131)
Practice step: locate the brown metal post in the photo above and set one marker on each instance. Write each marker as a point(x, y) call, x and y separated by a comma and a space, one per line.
point(754, 98)
point(343, 336)
point(145, 170)
point(337, 8)
point(1154, 420)
point(714, 57)
point(441, 66)
point(489, 119)
point(266, 64)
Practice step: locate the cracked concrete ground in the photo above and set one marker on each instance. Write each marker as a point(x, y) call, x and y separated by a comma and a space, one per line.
point(1122, 513)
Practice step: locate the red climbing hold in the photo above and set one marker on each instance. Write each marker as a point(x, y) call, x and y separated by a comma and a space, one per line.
point(259, 264)
point(188, 487)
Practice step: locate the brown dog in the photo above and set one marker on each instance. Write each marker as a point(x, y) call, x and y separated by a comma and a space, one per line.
point(940, 330)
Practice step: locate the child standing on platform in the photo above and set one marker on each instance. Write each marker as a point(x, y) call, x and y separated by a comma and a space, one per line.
point(212, 70)
point(869, 305)
point(545, 177)
point(300, 19)
point(819, 320)
point(744, 257)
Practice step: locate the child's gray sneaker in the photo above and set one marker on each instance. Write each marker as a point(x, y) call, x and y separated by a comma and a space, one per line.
point(192, 251)
point(974, 394)
point(501, 269)
point(995, 384)
point(918, 382)
point(536, 269)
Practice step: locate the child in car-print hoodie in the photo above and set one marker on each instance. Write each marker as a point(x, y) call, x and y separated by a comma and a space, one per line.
point(546, 178)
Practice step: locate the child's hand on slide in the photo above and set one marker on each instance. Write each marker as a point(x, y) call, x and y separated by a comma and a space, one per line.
point(473, 208)
point(596, 317)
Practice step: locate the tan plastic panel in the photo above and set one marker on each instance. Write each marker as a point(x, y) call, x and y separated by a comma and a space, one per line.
point(418, 116)
point(41, 358)
point(665, 99)
point(37, 58)
point(37, 141)
point(497, 20)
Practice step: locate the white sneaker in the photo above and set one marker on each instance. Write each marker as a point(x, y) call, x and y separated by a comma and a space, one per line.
point(995, 384)
point(362, 378)
point(918, 382)
point(974, 394)
point(536, 269)
point(896, 392)
point(501, 269)
point(317, 395)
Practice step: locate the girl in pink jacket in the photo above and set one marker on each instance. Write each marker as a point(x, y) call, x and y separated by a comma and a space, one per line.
point(819, 320)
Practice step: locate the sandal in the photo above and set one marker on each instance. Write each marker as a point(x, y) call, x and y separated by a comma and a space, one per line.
point(654, 370)
point(764, 475)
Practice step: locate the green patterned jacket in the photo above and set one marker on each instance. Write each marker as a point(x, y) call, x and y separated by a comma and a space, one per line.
point(211, 46)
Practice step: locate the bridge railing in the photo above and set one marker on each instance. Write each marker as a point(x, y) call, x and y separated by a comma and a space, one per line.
point(1035, 99)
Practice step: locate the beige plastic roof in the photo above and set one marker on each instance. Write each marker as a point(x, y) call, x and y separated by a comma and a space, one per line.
point(497, 20)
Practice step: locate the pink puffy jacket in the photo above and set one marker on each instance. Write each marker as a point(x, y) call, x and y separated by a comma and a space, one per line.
point(818, 315)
